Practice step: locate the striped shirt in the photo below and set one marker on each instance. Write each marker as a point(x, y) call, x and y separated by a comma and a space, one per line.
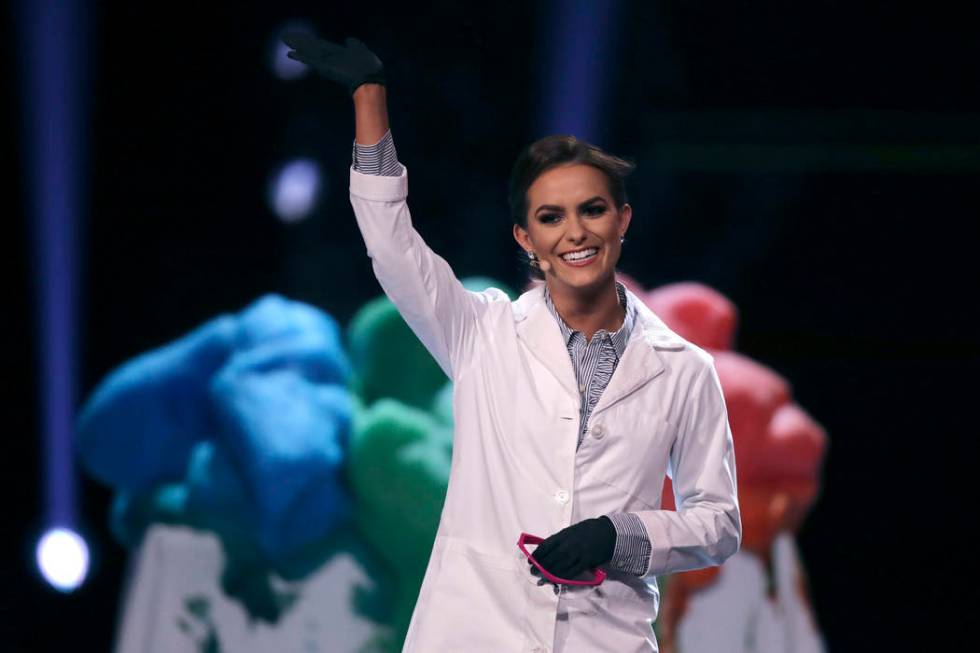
point(378, 159)
point(594, 363)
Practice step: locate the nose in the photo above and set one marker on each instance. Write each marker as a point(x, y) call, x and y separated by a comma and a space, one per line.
point(575, 230)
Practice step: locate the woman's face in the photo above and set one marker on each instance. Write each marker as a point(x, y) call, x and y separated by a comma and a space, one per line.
point(570, 211)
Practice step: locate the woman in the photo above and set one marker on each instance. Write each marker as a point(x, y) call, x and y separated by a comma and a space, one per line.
point(548, 439)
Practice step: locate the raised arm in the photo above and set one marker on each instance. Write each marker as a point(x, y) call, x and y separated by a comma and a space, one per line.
point(370, 113)
point(442, 313)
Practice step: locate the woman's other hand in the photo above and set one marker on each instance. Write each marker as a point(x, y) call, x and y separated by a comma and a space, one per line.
point(578, 548)
point(351, 64)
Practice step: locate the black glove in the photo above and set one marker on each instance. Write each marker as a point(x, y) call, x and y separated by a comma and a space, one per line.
point(578, 548)
point(352, 65)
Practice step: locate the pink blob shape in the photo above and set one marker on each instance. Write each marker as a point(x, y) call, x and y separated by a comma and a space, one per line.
point(696, 312)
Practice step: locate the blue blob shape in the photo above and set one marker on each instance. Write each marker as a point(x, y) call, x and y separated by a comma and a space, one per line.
point(247, 420)
point(216, 494)
point(138, 427)
point(287, 439)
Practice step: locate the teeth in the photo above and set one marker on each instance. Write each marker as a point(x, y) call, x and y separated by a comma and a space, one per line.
point(577, 256)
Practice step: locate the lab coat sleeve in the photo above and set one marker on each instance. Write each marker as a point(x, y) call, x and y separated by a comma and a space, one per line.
point(440, 311)
point(706, 527)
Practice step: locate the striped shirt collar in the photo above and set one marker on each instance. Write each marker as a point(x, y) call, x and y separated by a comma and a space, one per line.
point(619, 338)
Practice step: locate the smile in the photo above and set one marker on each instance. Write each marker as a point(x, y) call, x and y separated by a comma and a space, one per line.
point(581, 257)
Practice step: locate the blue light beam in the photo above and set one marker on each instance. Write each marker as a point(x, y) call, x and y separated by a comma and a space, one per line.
point(53, 49)
point(579, 66)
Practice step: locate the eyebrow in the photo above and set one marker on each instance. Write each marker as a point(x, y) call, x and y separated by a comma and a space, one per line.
point(552, 207)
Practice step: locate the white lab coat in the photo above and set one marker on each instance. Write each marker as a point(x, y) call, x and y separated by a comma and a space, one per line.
point(515, 467)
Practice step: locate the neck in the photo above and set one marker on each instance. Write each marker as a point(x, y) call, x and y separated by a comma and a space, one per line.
point(589, 309)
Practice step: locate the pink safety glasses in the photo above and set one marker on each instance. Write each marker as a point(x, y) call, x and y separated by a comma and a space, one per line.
point(525, 539)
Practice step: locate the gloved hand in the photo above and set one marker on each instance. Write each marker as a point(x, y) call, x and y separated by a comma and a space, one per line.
point(580, 547)
point(352, 65)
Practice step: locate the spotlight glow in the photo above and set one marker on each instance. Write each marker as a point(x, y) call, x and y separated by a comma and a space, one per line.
point(295, 189)
point(62, 557)
point(282, 66)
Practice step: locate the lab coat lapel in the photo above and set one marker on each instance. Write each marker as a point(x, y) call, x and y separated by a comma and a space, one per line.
point(538, 329)
point(641, 362)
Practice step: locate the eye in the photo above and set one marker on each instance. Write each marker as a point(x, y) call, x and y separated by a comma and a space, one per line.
point(548, 218)
point(596, 209)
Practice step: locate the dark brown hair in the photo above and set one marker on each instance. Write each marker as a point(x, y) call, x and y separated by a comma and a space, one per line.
point(551, 152)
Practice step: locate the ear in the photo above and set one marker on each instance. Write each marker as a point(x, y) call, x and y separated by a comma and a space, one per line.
point(520, 235)
point(625, 215)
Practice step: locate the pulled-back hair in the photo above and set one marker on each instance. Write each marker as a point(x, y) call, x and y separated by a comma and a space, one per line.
point(551, 152)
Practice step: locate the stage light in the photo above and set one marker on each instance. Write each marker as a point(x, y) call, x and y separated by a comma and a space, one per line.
point(282, 66)
point(295, 189)
point(62, 557)
point(54, 58)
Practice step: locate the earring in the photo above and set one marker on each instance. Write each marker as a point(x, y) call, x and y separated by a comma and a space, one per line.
point(533, 261)
point(622, 239)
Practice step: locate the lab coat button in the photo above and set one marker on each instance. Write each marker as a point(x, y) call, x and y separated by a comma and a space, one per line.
point(620, 564)
point(581, 387)
point(598, 432)
point(561, 497)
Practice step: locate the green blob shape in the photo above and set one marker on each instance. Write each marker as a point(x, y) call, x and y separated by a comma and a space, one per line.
point(388, 359)
point(442, 405)
point(399, 471)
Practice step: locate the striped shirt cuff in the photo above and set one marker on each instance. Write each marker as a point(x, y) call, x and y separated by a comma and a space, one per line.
point(632, 552)
point(378, 159)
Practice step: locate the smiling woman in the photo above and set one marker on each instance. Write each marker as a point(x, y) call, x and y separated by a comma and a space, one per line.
point(568, 203)
point(575, 166)
point(523, 463)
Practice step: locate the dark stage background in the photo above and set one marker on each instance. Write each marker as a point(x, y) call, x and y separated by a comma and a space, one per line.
point(816, 162)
